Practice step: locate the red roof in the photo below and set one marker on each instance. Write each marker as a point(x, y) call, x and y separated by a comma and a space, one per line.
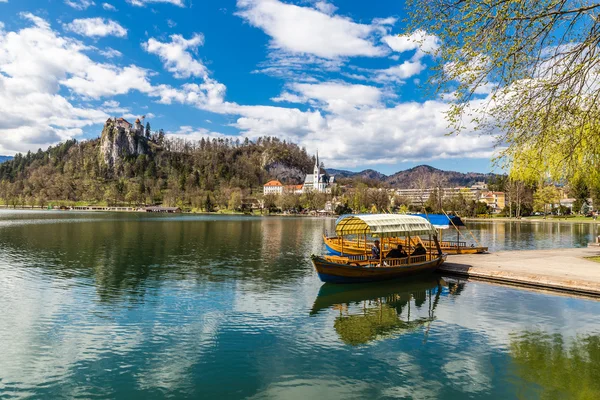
point(294, 187)
point(273, 183)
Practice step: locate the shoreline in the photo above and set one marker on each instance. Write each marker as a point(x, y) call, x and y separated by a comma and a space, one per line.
point(536, 220)
point(132, 210)
point(564, 270)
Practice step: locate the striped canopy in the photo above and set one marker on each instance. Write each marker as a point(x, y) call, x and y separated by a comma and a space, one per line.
point(383, 225)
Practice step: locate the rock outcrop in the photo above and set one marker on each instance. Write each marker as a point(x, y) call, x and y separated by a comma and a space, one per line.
point(121, 140)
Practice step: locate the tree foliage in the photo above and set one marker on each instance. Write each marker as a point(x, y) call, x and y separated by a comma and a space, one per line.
point(175, 172)
point(525, 71)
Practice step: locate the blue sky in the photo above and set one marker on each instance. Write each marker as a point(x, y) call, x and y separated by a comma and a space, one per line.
point(332, 76)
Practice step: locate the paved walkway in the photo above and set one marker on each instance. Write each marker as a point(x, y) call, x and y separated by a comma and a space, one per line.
point(562, 269)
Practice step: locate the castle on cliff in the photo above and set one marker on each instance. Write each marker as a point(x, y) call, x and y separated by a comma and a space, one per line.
point(121, 139)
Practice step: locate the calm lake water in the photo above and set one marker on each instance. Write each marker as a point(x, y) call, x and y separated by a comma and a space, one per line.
point(141, 306)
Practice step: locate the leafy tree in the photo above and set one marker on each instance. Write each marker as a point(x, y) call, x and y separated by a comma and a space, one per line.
point(341, 209)
point(579, 189)
point(524, 71)
point(544, 197)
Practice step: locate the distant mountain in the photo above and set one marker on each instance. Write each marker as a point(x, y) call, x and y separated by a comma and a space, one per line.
point(340, 173)
point(5, 158)
point(366, 174)
point(422, 175)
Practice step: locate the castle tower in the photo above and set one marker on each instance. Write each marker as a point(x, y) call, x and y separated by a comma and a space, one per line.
point(138, 126)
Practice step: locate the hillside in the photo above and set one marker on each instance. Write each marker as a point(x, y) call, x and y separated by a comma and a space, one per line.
point(5, 158)
point(127, 165)
point(422, 175)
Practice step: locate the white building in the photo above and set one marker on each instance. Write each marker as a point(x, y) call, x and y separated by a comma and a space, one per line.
point(319, 180)
point(273, 187)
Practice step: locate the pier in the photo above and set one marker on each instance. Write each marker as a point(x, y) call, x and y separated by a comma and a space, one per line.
point(566, 270)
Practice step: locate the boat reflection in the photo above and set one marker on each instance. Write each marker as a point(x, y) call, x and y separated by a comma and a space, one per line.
point(370, 312)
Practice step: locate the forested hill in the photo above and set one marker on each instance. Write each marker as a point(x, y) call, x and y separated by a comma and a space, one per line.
point(156, 170)
point(5, 158)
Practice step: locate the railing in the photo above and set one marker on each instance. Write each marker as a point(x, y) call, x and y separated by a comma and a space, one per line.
point(445, 243)
point(387, 262)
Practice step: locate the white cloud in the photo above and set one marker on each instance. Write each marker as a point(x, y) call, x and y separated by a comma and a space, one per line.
point(399, 73)
point(333, 96)
point(96, 27)
point(109, 7)
point(141, 3)
point(194, 134)
point(80, 4)
point(306, 30)
point(368, 136)
point(176, 57)
point(419, 40)
point(33, 69)
point(110, 53)
point(351, 125)
point(325, 7)
point(3, 1)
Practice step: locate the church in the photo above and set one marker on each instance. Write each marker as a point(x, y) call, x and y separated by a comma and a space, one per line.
point(319, 181)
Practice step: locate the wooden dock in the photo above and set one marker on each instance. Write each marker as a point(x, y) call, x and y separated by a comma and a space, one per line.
point(565, 270)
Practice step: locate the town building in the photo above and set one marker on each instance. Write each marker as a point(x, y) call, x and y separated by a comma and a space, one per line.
point(273, 187)
point(495, 200)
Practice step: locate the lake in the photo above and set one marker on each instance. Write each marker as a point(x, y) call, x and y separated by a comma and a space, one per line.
point(153, 306)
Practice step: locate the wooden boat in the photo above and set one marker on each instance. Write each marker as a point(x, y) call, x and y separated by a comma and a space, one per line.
point(336, 246)
point(359, 268)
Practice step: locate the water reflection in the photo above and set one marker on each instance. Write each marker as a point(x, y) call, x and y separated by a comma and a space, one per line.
point(526, 235)
point(130, 255)
point(138, 306)
point(558, 367)
point(377, 311)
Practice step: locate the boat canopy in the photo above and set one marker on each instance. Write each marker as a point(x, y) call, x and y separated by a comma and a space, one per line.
point(441, 221)
point(383, 225)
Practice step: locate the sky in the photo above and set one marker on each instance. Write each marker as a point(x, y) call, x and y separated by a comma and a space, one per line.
point(332, 76)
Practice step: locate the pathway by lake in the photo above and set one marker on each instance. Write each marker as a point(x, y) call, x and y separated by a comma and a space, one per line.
point(148, 306)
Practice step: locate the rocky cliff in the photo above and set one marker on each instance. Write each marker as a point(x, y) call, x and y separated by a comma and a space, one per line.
point(120, 141)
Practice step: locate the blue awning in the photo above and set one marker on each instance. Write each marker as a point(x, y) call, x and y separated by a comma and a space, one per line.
point(440, 221)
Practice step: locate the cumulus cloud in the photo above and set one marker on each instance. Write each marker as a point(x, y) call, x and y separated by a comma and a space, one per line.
point(351, 125)
point(96, 27)
point(176, 55)
point(400, 72)
point(109, 7)
point(141, 3)
point(325, 7)
point(35, 63)
point(79, 4)
point(307, 30)
point(419, 40)
point(191, 133)
point(333, 96)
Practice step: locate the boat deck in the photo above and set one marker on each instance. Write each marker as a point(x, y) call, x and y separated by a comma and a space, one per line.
point(559, 269)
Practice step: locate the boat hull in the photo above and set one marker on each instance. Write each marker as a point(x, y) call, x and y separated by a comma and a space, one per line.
point(335, 248)
point(332, 272)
